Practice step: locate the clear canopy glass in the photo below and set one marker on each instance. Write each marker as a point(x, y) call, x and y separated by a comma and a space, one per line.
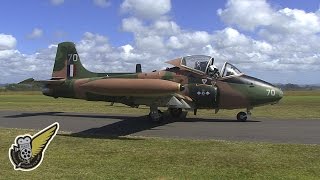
point(229, 70)
point(196, 62)
point(201, 63)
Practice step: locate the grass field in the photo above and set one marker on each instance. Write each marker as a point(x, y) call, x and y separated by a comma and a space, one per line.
point(70, 157)
point(149, 158)
point(295, 104)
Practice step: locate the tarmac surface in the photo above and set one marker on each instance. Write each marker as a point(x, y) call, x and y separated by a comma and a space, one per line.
point(306, 131)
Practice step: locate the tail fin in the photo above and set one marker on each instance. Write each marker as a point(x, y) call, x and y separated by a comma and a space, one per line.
point(67, 63)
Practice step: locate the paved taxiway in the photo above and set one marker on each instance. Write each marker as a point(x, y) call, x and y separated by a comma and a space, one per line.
point(262, 130)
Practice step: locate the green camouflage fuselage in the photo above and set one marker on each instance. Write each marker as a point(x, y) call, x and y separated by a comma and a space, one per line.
point(199, 90)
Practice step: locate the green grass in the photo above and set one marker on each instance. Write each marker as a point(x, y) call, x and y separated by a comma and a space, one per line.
point(70, 157)
point(150, 158)
point(295, 104)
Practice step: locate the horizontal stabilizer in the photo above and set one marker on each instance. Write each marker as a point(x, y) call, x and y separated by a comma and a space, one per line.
point(27, 81)
point(51, 81)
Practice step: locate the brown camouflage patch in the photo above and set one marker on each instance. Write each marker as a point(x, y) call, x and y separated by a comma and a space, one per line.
point(78, 91)
point(230, 98)
point(62, 73)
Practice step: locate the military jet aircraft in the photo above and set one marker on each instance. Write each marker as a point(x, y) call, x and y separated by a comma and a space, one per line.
point(194, 82)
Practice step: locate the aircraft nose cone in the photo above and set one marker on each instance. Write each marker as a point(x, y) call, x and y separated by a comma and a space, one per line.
point(278, 94)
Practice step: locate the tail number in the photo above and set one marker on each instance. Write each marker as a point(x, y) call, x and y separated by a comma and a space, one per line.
point(271, 92)
point(73, 57)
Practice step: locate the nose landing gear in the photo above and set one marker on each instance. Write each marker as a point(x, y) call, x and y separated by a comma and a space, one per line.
point(243, 116)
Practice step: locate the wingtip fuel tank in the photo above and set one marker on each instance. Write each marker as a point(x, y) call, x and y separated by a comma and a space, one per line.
point(132, 87)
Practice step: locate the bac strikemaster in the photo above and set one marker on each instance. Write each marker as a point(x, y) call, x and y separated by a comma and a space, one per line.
point(193, 83)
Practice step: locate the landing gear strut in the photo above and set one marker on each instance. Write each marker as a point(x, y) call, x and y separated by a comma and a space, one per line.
point(175, 112)
point(155, 114)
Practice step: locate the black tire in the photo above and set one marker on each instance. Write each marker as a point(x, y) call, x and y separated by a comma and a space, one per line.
point(155, 118)
point(175, 112)
point(242, 116)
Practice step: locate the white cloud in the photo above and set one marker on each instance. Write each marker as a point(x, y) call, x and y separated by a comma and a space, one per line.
point(151, 44)
point(273, 45)
point(127, 53)
point(132, 25)
point(174, 43)
point(7, 42)
point(288, 38)
point(7, 54)
point(189, 41)
point(230, 37)
point(249, 15)
point(148, 9)
point(57, 2)
point(36, 33)
point(102, 3)
point(295, 21)
point(164, 35)
point(18, 66)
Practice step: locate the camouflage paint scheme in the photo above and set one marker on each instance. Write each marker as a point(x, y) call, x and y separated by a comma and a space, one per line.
point(192, 89)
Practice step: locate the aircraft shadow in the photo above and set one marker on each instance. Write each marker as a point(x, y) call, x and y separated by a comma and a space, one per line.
point(32, 114)
point(131, 125)
point(213, 120)
point(21, 115)
point(127, 125)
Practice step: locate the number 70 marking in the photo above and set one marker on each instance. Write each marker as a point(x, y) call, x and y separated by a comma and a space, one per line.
point(271, 92)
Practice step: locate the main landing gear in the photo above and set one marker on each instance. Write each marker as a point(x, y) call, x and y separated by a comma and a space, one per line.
point(243, 116)
point(155, 114)
point(175, 112)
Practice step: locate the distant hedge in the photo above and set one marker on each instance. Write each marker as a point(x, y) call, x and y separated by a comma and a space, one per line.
point(21, 87)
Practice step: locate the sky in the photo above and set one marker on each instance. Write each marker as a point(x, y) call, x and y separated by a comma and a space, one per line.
point(277, 41)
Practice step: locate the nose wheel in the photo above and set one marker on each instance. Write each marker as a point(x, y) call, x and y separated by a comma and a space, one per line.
point(242, 116)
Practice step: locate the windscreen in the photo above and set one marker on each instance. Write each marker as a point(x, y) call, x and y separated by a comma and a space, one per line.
point(230, 70)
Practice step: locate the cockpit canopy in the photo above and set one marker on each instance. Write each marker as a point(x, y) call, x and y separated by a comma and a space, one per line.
point(229, 70)
point(200, 64)
point(197, 62)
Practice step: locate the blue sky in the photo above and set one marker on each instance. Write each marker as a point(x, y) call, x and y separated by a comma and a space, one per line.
point(74, 18)
point(70, 20)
